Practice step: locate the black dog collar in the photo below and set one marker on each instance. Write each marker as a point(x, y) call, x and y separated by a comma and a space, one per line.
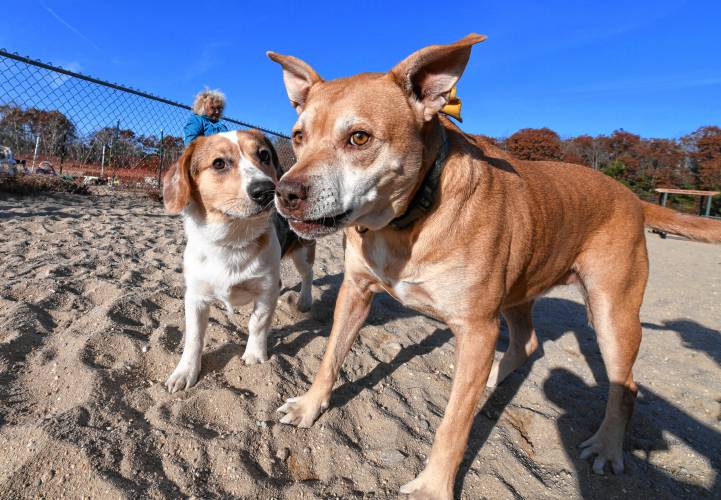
point(426, 195)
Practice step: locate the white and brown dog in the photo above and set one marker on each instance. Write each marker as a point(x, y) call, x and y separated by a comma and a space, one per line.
point(224, 186)
point(454, 227)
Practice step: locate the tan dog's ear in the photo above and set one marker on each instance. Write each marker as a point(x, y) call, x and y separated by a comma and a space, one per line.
point(428, 75)
point(176, 182)
point(298, 77)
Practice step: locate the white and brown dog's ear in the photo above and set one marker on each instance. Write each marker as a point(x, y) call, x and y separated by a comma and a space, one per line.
point(298, 77)
point(176, 182)
point(428, 75)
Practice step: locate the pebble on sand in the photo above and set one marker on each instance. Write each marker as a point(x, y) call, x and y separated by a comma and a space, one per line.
point(391, 457)
point(282, 454)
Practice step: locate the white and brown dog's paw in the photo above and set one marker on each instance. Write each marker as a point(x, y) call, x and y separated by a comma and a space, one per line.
point(254, 354)
point(183, 377)
point(300, 303)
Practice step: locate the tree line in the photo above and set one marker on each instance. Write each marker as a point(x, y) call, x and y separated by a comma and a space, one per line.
point(690, 162)
point(124, 148)
point(60, 140)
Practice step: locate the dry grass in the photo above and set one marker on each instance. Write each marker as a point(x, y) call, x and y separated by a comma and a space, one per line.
point(33, 184)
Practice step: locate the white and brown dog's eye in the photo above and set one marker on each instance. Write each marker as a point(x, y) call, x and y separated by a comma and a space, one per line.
point(359, 138)
point(264, 156)
point(297, 137)
point(219, 164)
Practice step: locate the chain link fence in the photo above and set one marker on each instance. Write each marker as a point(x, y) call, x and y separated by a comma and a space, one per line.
point(57, 121)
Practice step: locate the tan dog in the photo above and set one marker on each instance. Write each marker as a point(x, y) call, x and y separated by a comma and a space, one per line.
point(224, 186)
point(496, 234)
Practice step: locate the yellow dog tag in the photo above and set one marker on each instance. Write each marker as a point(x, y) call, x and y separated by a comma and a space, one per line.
point(453, 107)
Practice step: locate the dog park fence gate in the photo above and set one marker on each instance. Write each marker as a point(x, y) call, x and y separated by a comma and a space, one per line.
point(54, 119)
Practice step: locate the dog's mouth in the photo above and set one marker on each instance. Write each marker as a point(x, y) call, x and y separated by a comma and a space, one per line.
point(243, 214)
point(315, 228)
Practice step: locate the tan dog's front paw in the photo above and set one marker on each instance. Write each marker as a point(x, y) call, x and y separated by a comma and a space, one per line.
point(606, 451)
point(425, 489)
point(302, 411)
point(183, 377)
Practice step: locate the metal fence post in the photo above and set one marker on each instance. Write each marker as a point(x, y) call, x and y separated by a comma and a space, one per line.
point(160, 160)
point(114, 149)
point(102, 162)
point(62, 151)
point(35, 154)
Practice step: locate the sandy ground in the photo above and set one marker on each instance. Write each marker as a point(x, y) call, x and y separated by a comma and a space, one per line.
point(91, 321)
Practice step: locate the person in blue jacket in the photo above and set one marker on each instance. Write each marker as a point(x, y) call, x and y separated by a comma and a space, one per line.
point(207, 110)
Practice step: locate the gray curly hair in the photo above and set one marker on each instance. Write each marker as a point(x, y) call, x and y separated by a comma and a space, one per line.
point(207, 97)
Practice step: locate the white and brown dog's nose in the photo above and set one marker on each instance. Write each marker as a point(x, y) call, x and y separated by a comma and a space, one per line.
point(262, 192)
point(292, 195)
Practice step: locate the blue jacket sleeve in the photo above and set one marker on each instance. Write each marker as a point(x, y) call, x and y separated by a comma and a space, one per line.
point(193, 128)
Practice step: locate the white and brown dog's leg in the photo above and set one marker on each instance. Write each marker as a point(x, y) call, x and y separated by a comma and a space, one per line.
point(196, 321)
point(351, 310)
point(475, 346)
point(303, 258)
point(522, 342)
point(261, 319)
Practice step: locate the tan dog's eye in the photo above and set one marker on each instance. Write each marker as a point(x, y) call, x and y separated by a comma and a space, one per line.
point(264, 156)
point(359, 138)
point(219, 164)
point(297, 137)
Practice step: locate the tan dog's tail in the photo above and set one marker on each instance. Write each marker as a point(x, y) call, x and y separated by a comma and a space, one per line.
point(689, 226)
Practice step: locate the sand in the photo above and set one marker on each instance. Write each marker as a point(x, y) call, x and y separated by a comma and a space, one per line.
point(91, 321)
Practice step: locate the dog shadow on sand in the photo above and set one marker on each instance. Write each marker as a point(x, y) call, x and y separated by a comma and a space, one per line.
point(655, 418)
point(318, 323)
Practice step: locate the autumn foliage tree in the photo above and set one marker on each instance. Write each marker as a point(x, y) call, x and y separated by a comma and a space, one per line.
point(693, 161)
point(584, 150)
point(59, 140)
point(19, 128)
point(535, 144)
point(705, 154)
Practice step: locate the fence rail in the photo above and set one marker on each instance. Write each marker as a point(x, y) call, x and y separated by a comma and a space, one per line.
point(54, 118)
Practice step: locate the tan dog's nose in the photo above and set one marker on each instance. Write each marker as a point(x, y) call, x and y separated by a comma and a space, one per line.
point(292, 194)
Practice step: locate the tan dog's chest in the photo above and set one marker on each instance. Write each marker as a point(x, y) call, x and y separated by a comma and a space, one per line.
point(399, 276)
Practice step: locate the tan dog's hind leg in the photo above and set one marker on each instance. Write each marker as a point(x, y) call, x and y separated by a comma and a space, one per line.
point(522, 342)
point(475, 346)
point(614, 299)
point(351, 310)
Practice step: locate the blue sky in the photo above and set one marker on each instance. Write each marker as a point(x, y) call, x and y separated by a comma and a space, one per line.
point(653, 68)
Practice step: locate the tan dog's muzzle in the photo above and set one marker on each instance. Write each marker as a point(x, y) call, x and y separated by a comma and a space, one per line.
point(291, 197)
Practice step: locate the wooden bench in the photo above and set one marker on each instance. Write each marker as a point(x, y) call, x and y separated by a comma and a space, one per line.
point(663, 199)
